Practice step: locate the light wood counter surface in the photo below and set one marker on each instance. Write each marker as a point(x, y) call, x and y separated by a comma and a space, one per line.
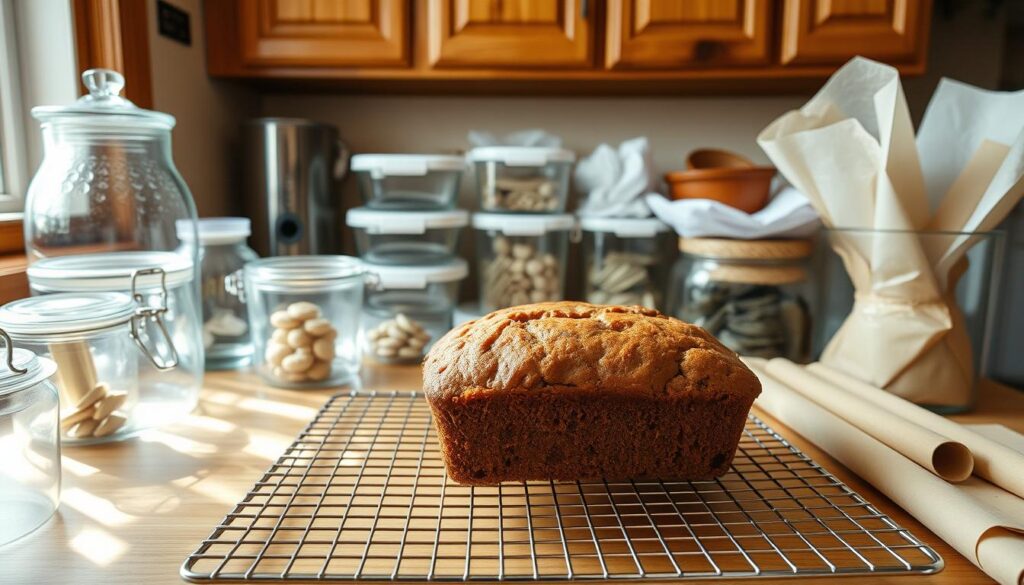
point(132, 511)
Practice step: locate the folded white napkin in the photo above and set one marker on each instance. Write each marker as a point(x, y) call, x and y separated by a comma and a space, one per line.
point(615, 181)
point(531, 137)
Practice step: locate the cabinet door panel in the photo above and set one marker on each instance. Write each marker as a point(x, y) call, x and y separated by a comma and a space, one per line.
point(832, 31)
point(342, 33)
point(508, 34)
point(669, 34)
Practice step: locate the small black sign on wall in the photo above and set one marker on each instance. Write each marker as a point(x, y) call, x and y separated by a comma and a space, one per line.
point(173, 23)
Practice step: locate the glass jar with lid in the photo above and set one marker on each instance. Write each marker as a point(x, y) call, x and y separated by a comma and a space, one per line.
point(93, 338)
point(29, 442)
point(222, 252)
point(305, 315)
point(162, 285)
point(627, 260)
point(755, 296)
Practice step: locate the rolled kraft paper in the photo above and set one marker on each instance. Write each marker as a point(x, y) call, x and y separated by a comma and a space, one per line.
point(982, 522)
point(948, 459)
point(76, 371)
point(993, 461)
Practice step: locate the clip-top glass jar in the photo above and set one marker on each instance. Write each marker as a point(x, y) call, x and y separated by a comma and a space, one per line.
point(627, 260)
point(29, 443)
point(162, 285)
point(222, 252)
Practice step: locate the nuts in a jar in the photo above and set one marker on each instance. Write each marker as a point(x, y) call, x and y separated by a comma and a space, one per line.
point(533, 194)
point(96, 414)
point(624, 278)
point(400, 338)
point(301, 347)
point(520, 274)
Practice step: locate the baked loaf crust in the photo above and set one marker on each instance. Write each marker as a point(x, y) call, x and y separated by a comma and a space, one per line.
point(569, 390)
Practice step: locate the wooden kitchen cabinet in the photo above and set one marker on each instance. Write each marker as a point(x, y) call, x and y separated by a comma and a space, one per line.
point(509, 33)
point(668, 34)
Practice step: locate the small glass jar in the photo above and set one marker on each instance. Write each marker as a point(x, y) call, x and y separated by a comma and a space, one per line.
point(29, 443)
point(406, 237)
point(755, 296)
point(408, 308)
point(531, 179)
point(162, 284)
point(521, 258)
point(222, 252)
point(91, 337)
point(305, 316)
point(408, 181)
point(627, 260)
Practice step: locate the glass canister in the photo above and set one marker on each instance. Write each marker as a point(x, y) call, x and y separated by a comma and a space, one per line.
point(406, 237)
point(90, 338)
point(107, 182)
point(533, 179)
point(305, 316)
point(162, 284)
point(755, 296)
point(408, 181)
point(627, 260)
point(222, 252)
point(29, 443)
point(408, 308)
point(522, 258)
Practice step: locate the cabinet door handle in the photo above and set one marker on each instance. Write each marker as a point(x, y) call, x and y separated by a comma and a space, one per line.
point(584, 9)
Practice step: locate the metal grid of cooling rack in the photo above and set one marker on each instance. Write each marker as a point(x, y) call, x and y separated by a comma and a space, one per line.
point(362, 494)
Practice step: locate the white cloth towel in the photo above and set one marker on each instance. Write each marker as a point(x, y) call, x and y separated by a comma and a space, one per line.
point(531, 137)
point(615, 181)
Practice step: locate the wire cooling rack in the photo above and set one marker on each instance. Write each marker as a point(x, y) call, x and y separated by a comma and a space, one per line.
point(362, 494)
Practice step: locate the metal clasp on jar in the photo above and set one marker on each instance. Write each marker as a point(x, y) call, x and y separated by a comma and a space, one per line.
point(146, 313)
point(10, 354)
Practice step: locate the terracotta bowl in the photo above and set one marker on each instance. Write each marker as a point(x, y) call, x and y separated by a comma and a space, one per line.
point(746, 188)
point(715, 158)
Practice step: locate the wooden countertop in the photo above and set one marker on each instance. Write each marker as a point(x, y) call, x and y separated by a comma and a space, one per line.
point(132, 511)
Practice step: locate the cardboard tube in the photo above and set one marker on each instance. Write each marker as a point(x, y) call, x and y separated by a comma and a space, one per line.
point(993, 461)
point(945, 458)
point(76, 372)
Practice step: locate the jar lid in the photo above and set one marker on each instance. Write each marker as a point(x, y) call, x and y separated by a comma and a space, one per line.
point(215, 230)
point(516, 224)
point(406, 165)
point(303, 272)
point(66, 313)
point(417, 277)
point(625, 227)
point(378, 221)
point(36, 369)
point(746, 249)
point(110, 271)
point(521, 156)
point(104, 106)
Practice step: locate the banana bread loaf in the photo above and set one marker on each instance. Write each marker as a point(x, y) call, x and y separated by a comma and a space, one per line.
point(569, 390)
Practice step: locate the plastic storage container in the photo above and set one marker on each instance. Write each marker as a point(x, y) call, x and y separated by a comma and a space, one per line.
point(627, 260)
point(305, 316)
point(521, 258)
point(29, 443)
point(406, 237)
point(408, 181)
point(522, 178)
point(90, 338)
point(222, 252)
point(755, 296)
point(409, 308)
point(162, 284)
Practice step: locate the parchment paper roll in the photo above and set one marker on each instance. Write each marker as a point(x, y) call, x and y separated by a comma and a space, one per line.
point(982, 522)
point(993, 461)
point(946, 458)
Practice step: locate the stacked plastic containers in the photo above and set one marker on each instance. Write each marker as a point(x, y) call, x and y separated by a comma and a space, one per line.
point(406, 234)
point(522, 229)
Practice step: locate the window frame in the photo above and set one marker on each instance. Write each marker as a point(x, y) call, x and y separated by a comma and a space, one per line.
point(13, 146)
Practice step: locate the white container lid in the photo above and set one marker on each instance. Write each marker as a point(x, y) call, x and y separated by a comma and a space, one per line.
point(215, 230)
point(110, 271)
point(405, 165)
point(522, 224)
point(66, 313)
point(378, 221)
point(417, 277)
point(291, 274)
point(37, 369)
point(625, 227)
point(521, 156)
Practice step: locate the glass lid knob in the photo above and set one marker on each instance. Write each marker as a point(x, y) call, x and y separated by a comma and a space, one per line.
point(103, 83)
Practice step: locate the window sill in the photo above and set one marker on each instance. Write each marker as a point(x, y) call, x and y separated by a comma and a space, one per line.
point(13, 263)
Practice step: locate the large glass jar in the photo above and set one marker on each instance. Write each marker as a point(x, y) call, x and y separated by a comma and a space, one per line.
point(627, 260)
point(162, 284)
point(755, 296)
point(222, 252)
point(29, 443)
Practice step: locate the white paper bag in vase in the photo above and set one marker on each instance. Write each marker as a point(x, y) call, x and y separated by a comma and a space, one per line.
point(851, 150)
